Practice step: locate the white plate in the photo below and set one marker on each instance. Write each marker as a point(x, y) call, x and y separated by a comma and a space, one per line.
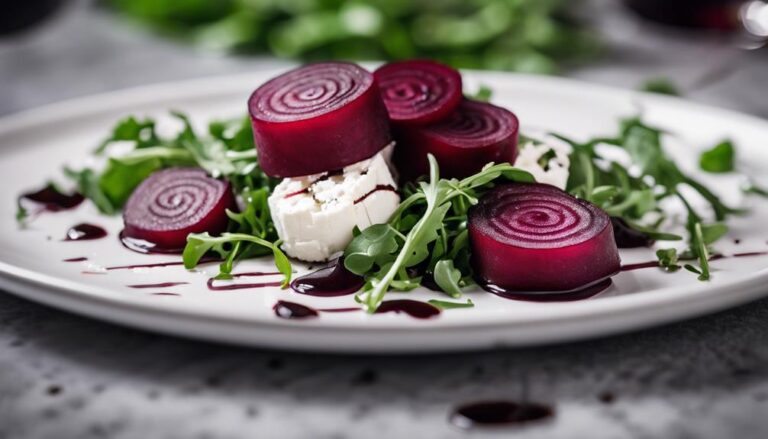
point(36, 143)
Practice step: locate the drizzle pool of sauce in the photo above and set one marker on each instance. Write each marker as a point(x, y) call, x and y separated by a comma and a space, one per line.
point(550, 296)
point(499, 413)
point(330, 281)
point(80, 259)
point(85, 232)
point(231, 287)
point(291, 310)
point(51, 199)
point(413, 308)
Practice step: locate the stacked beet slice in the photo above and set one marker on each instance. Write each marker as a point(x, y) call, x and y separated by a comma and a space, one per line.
point(429, 115)
point(318, 118)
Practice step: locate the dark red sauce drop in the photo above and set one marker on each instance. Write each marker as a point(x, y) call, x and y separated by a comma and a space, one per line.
point(550, 296)
point(51, 199)
point(413, 308)
point(158, 285)
point(85, 232)
point(639, 265)
point(329, 281)
point(499, 413)
point(80, 259)
point(231, 287)
point(627, 237)
point(299, 192)
point(749, 254)
point(291, 310)
point(146, 247)
point(379, 187)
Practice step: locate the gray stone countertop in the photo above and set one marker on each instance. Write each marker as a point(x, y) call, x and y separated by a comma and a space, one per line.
point(63, 376)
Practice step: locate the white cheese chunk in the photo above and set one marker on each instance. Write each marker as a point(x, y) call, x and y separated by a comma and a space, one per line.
point(314, 215)
point(546, 158)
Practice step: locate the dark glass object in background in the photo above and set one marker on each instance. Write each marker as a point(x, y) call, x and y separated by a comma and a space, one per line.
point(18, 15)
point(718, 15)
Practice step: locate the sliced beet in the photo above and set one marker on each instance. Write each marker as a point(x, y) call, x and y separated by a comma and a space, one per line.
point(469, 138)
point(419, 92)
point(173, 203)
point(535, 237)
point(318, 118)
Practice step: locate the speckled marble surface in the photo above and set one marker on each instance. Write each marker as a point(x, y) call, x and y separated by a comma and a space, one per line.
point(63, 376)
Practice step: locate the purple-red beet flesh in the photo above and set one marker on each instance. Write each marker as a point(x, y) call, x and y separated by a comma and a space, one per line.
point(419, 92)
point(318, 118)
point(472, 136)
point(535, 237)
point(173, 203)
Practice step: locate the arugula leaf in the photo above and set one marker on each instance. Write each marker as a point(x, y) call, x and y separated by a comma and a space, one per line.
point(668, 259)
point(448, 277)
point(141, 132)
point(719, 159)
point(753, 189)
point(120, 178)
point(699, 246)
point(88, 184)
point(374, 245)
point(199, 244)
point(444, 304)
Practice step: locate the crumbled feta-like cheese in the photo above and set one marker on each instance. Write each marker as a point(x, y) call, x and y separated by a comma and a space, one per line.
point(314, 215)
point(546, 158)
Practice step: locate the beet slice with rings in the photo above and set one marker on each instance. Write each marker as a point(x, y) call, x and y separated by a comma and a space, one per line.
point(535, 237)
point(419, 92)
point(472, 136)
point(173, 203)
point(318, 118)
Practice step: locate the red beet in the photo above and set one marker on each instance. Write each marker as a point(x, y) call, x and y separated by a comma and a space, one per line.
point(173, 203)
point(472, 136)
point(419, 92)
point(318, 118)
point(535, 237)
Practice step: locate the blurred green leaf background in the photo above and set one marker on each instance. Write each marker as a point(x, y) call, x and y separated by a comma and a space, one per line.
point(535, 36)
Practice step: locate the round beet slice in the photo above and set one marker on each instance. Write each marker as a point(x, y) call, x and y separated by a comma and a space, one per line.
point(318, 118)
point(173, 203)
point(535, 237)
point(469, 138)
point(419, 92)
